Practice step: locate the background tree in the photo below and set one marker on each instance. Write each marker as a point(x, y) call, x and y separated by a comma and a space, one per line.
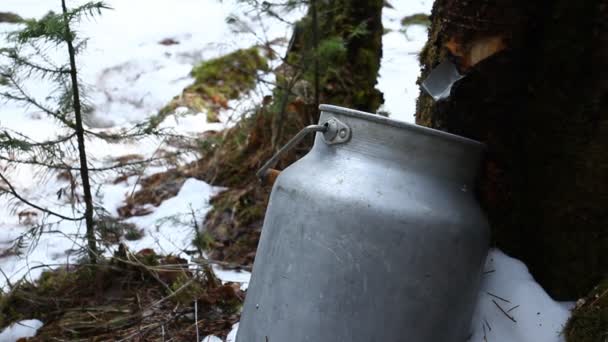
point(345, 38)
point(539, 101)
point(333, 57)
point(65, 105)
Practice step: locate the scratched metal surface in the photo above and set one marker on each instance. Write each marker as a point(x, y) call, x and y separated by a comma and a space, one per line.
point(376, 239)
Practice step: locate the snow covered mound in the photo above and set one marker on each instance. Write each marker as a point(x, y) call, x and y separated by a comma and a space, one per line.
point(512, 307)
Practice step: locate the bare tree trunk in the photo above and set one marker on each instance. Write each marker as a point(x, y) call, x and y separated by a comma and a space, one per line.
point(84, 169)
point(540, 104)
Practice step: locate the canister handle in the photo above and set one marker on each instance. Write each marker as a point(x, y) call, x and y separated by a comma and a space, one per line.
point(334, 132)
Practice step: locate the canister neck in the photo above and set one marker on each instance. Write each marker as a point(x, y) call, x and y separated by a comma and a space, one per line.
point(405, 145)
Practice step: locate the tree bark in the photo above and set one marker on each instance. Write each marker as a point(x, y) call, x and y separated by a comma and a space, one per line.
point(540, 105)
point(84, 167)
point(350, 82)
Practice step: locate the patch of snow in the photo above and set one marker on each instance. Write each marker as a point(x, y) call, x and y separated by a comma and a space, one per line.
point(188, 124)
point(399, 68)
point(507, 281)
point(232, 335)
point(241, 277)
point(230, 338)
point(530, 315)
point(169, 229)
point(22, 329)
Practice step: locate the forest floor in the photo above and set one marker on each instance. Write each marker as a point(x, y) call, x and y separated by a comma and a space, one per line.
point(132, 77)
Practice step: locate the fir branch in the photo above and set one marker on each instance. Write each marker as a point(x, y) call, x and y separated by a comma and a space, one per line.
point(14, 192)
point(39, 52)
point(24, 97)
point(47, 149)
point(8, 142)
point(20, 61)
point(94, 169)
point(89, 9)
point(26, 141)
point(8, 281)
point(265, 43)
point(138, 131)
point(53, 142)
point(51, 28)
point(273, 14)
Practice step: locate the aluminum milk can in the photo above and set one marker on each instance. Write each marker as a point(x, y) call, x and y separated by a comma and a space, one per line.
point(374, 235)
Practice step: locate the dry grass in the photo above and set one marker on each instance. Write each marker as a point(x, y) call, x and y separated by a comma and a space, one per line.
point(135, 297)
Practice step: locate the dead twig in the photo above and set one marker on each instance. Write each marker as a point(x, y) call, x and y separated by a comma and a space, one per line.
point(599, 297)
point(513, 308)
point(497, 297)
point(504, 312)
point(487, 324)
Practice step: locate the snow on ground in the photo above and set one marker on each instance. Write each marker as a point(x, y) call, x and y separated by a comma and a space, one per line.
point(230, 338)
point(130, 73)
point(169, 228)
point(130, 76)
point(530, 315)
point(15, 331)
point(399, 68)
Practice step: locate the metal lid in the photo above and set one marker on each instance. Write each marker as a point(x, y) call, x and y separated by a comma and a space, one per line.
point(400, 124)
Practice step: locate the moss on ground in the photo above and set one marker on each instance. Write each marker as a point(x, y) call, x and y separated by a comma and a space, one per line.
point(204, 241)
point(589, 321)
point(11, 18)
point(348, 53)
point(217, 81)
point(128, 296)
point(420, 19)
point(233, 225)
point(416, 19)
point(111, 230)
point(233, 73)
point(229, 159)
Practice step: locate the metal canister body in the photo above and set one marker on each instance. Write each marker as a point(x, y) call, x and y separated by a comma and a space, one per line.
point(378, 238)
